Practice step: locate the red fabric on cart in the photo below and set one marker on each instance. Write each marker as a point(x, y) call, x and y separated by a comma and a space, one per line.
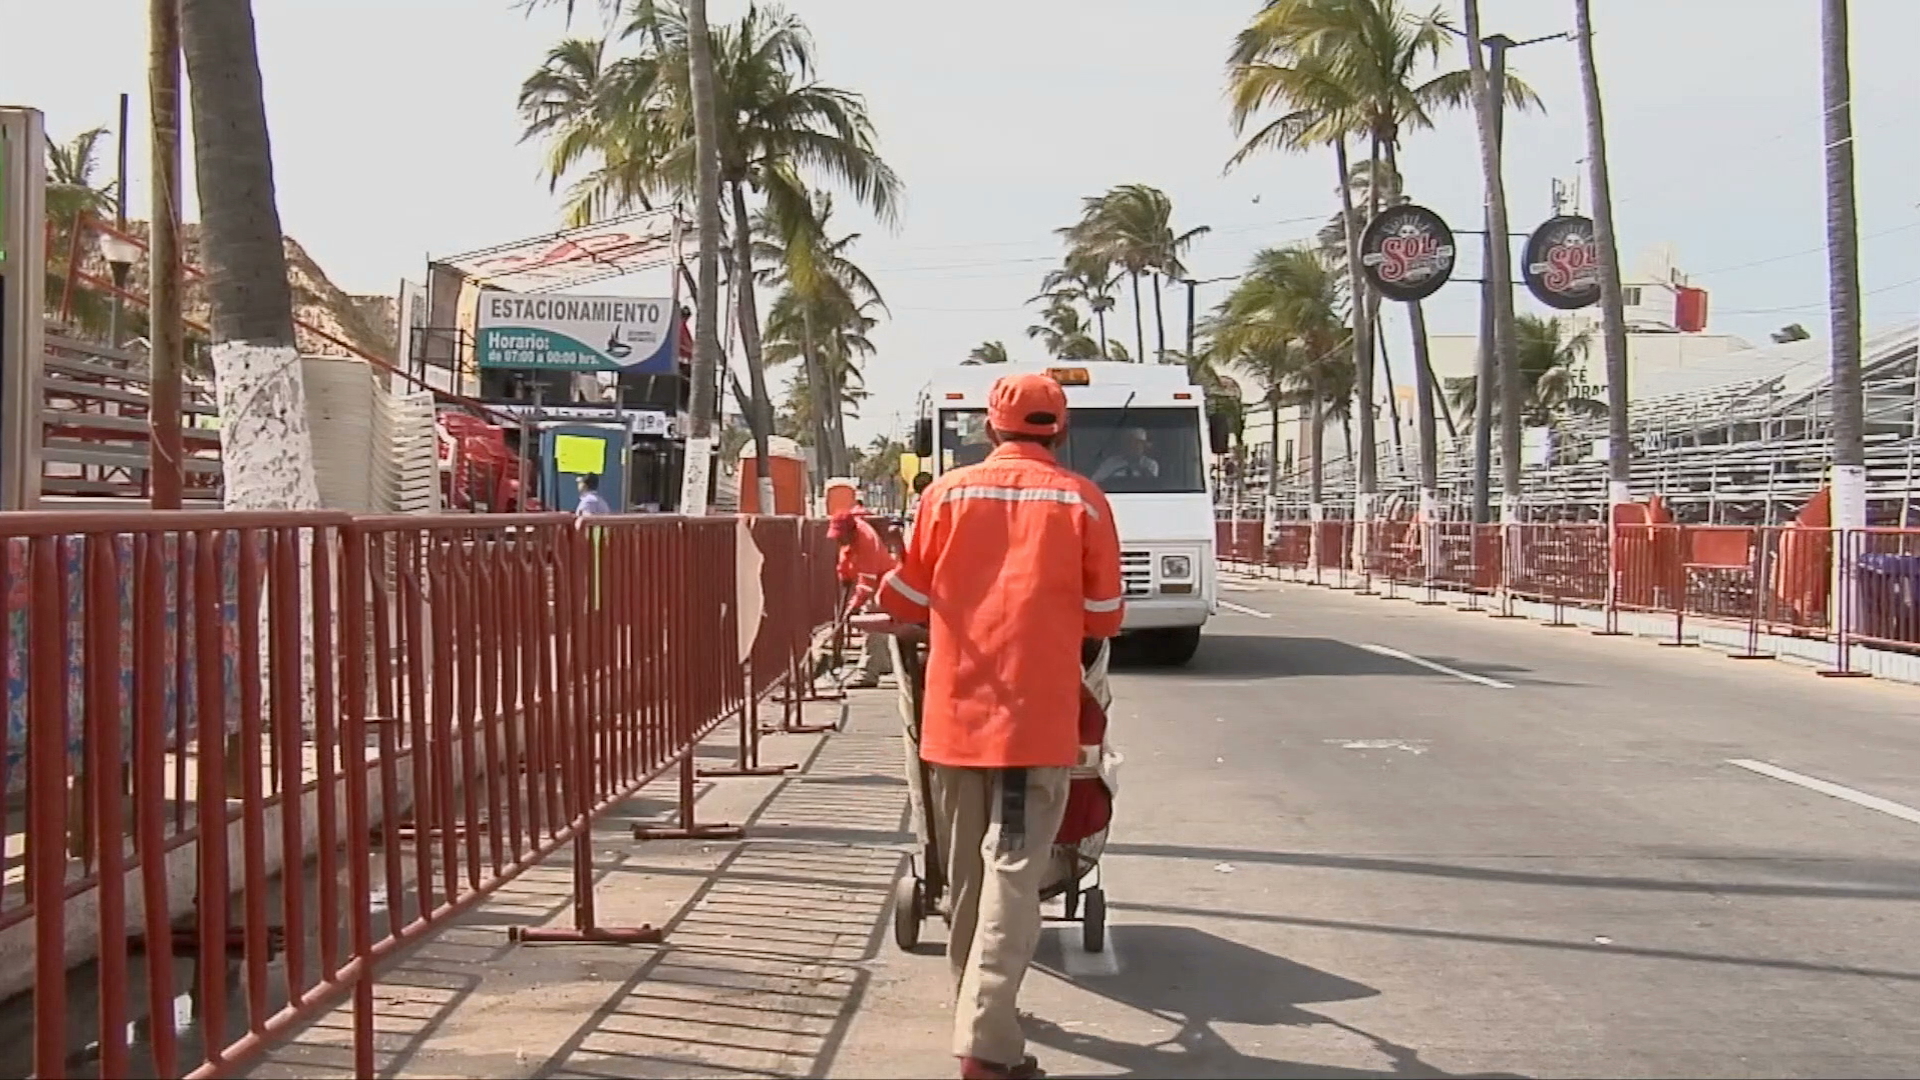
point(1089, 803)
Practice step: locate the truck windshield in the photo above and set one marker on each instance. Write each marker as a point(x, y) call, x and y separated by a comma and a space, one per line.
point(1131, 451)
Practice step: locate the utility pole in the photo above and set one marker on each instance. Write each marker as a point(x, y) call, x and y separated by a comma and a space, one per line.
point(118, 267)
point(1192, 286)
point(1486, 370)
point(166, 335)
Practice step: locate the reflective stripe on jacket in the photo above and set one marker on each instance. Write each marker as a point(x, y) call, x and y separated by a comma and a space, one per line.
point(1011, 564)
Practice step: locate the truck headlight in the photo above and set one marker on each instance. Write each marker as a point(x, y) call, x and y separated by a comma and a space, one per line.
point(1177, 567)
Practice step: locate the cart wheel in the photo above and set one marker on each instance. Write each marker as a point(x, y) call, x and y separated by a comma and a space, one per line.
point(841, 723)
point(908, 908)
point(1093, 924)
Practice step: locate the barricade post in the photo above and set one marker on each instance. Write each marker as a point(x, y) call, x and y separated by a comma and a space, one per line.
point(1848, 546)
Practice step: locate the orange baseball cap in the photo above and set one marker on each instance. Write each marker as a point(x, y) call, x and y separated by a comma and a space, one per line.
point(1027, 405)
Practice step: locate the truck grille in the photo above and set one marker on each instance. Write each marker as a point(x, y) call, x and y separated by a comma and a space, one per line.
point(1136, 573)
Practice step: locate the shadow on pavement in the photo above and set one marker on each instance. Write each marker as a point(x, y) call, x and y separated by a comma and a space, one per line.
point(1256, 657)
point(1615, 949)
point(1829, 891)
point(1196, 980)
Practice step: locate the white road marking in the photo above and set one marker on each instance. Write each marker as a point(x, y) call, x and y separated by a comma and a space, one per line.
point(1824, 787)
point(1416, 746)
point(1443, 669)
point(1080, 963)
point(1239, 609)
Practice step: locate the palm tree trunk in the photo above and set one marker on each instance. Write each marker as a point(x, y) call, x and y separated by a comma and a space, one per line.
point(1499, 268)
point(1423, 395)
point(1159, 323)
point(747, 312)
point(267, 453)
point(818, 399)
point(706, 336)
point(1843, 273)
point(1396, 435)
point(1425, 392)
point(1139, 322)
point(1100, 316)
point(1362, 335)
point(1613, 320)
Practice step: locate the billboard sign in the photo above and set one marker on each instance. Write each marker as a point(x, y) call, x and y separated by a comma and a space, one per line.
point(1562, 264)
point(631, 335)
point(1407, 253)
point(575, 257)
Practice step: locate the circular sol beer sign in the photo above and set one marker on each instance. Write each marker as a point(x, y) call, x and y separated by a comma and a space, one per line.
point(1407, 253)
point(1562, 266)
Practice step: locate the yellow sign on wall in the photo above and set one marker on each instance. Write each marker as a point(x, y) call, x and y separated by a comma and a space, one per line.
point(580, 455)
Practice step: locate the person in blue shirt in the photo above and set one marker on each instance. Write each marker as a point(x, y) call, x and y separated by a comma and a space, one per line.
point(590, 500)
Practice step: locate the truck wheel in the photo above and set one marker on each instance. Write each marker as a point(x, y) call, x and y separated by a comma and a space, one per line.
point(1174, 647)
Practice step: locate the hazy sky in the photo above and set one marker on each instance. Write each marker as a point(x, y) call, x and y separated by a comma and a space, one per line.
point(395, 138)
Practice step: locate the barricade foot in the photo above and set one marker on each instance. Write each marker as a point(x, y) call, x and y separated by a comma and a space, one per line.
point(747, 770)
point(697, 832)
point(1678, 644)
point(407, 832)
point(1837, 674)
point(185, 941)
point(591, 935)
point(1752, 656)
point(1610, 633)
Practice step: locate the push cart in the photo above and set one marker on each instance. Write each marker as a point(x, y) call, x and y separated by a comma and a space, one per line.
point(1073, 878)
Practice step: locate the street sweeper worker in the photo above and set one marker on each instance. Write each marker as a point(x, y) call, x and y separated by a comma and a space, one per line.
point(1012, 564)
point(864, 560)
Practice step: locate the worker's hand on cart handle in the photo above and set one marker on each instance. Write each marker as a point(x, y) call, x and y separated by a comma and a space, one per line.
point(879, 622)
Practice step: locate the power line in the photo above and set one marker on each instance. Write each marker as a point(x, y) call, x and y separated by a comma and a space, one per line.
point(1802, 254)
point(1822, 303)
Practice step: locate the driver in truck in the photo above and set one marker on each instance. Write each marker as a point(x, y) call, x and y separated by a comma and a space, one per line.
point(1133, 462)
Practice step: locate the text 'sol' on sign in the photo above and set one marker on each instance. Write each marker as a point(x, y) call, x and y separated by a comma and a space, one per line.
point(1562, 264)
point(1407, 253)
point(575, 333)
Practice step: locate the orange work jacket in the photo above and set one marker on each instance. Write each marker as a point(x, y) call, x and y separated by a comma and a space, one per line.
point(865, 561)
point(1012, 562)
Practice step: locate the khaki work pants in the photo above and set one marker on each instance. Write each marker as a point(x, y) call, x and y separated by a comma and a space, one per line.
point(999, 826)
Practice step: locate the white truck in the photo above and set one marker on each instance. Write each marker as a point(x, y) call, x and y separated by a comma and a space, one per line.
point(1140, 431)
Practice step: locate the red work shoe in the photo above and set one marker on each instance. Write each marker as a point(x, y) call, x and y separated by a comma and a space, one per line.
point(975, 1069)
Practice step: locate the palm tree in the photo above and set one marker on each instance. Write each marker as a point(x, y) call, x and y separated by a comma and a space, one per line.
point(1551, 362)
point(1843, 272)
point(1499, 270)
point(774, 125)
point(1131, 226)
point(1354, 69)
point(1612, 300)
point(1084, 278)
point(72, 196)
point(1063, 332)
point(706, 338)
point(830, 298)
point(987, 352)
point(1281, 326)
point(267, 455)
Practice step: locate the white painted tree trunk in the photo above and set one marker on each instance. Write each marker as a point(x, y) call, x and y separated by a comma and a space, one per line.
point(1849, 515)
point(266, 450)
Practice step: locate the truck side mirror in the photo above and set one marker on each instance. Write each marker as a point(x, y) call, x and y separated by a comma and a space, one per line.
point(1219, 433)
point(923, 437)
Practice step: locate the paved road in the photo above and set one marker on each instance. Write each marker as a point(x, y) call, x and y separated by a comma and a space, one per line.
point(1363, 838)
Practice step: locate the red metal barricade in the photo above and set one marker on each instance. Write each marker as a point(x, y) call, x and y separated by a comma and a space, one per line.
point(305, 741)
